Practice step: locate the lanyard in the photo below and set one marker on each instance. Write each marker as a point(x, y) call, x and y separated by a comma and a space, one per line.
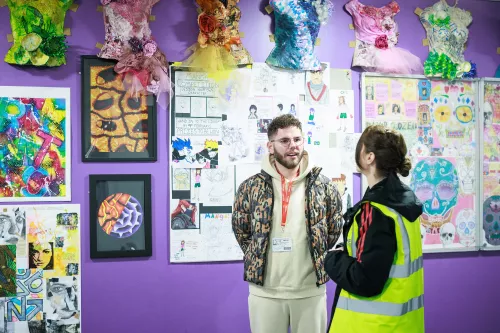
point(286, 193)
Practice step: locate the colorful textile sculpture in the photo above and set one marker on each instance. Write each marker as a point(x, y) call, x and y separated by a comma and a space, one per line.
point(297, 27)
point(376, 39)
point(447, 32)
point(218, 50)
point(38, 32)
point(129, 40)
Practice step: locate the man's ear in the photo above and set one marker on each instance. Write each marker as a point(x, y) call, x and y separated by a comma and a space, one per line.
point(270, 147)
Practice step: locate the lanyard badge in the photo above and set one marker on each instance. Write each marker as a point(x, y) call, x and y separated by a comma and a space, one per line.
point(286, 193)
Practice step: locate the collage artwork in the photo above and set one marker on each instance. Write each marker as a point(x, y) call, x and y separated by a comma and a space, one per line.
point(438, 121)
point(40, 269)
point(219, 138)
point(490, 233)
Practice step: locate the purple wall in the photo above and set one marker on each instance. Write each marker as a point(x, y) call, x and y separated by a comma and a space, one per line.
point(150, 295)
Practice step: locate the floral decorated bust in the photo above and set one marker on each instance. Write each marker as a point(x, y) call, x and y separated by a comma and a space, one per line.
point(129, 40)
point(38, 32)
point(447, 32)
point(218, 50)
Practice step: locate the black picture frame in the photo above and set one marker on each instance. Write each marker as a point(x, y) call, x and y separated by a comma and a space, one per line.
point(130, 193)
point(131, 136)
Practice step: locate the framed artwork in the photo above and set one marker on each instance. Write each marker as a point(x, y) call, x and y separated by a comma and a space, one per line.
point(120, 216)
point(35, 147)
point(116, 126)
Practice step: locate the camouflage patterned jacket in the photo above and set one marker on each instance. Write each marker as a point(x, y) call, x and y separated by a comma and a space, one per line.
point(253, 213)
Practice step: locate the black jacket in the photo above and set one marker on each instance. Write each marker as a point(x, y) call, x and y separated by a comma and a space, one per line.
point(367, 274)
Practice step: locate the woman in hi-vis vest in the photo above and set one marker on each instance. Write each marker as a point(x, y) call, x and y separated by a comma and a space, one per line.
point(379, 269)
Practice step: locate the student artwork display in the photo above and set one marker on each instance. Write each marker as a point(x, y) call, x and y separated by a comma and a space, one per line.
point(40, 288)
point(219, 48)
point(439, 122)
point(218, 140)
point(35, 156)
point(120, 216)
point(297, 28)
point(376, 38)
point(38, 32)
point(129, 41)
point(447, 33)
point(490, 230)
point(116, 126)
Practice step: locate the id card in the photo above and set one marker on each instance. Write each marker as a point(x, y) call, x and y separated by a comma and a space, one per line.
point(282, 245)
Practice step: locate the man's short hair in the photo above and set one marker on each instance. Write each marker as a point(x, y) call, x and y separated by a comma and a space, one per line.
point(281, 122)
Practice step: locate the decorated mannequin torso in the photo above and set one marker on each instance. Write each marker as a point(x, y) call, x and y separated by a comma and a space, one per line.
point(447, 33)
point(297, 28)
point(38, 32)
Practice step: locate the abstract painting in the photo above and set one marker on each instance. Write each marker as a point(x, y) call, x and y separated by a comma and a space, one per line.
point(35, 148)
point(120, 215)
point(116, 126)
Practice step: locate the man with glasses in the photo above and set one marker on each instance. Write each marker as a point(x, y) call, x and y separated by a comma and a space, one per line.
point(285, 219)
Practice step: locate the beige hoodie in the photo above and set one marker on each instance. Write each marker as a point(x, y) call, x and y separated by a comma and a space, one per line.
point(289, 275)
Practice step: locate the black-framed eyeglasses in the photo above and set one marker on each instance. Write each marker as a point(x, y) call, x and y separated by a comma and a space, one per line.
point(285, 142)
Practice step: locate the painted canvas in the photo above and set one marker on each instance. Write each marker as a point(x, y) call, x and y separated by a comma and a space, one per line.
point(35, 148)
point(40, 275)
point(115, 125)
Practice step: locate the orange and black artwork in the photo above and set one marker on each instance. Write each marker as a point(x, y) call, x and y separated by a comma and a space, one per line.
point(116, 125)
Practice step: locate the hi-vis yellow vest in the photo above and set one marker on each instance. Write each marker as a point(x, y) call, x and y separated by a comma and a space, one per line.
point(400, 306)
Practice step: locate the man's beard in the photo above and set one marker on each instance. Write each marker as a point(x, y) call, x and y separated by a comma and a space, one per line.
point(281, 159)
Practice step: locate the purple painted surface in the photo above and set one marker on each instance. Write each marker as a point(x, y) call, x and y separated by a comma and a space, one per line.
point(151, 295)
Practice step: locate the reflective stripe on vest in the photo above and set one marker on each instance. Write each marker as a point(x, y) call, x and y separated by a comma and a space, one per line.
point(402, 271)
point(380, 308)
point(408, 267)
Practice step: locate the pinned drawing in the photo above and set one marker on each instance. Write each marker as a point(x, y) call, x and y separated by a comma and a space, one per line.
point(453, 111)
point(343, 106)
point(194, 152)
point(184, 216)
point(236, 147)
point(265, 79)
point(197, 186)
point(491, 220)
point(12, 226)
point(181, 179)
point(318, 86)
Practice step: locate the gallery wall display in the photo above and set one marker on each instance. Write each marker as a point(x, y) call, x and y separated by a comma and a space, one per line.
point(35, 152)
point(219, 138)
point(490, 164)
point(116, 126)
point(40, 268)
point(439, 121)
point(120, 216)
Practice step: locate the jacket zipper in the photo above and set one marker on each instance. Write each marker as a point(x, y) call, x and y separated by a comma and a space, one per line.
point(270, 227)
point(308, 228)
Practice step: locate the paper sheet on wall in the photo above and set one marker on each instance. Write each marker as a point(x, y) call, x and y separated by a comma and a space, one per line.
point(437, 120)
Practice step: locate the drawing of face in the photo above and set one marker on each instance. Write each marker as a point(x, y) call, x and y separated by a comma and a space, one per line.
point(341, 100)
point(311, 111)
point(435, 182)
point(62, 295)
point(309, 134)
point(491, 220)
point(317, 77)
point(289, 154)
point(41, 255)
point(380, 109)
point(369, 92)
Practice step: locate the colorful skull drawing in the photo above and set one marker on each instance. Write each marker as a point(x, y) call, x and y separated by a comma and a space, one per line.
point(466, 227)
point(491, 220)
point(452, 113)
point(465, 168)
point(435, 182)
